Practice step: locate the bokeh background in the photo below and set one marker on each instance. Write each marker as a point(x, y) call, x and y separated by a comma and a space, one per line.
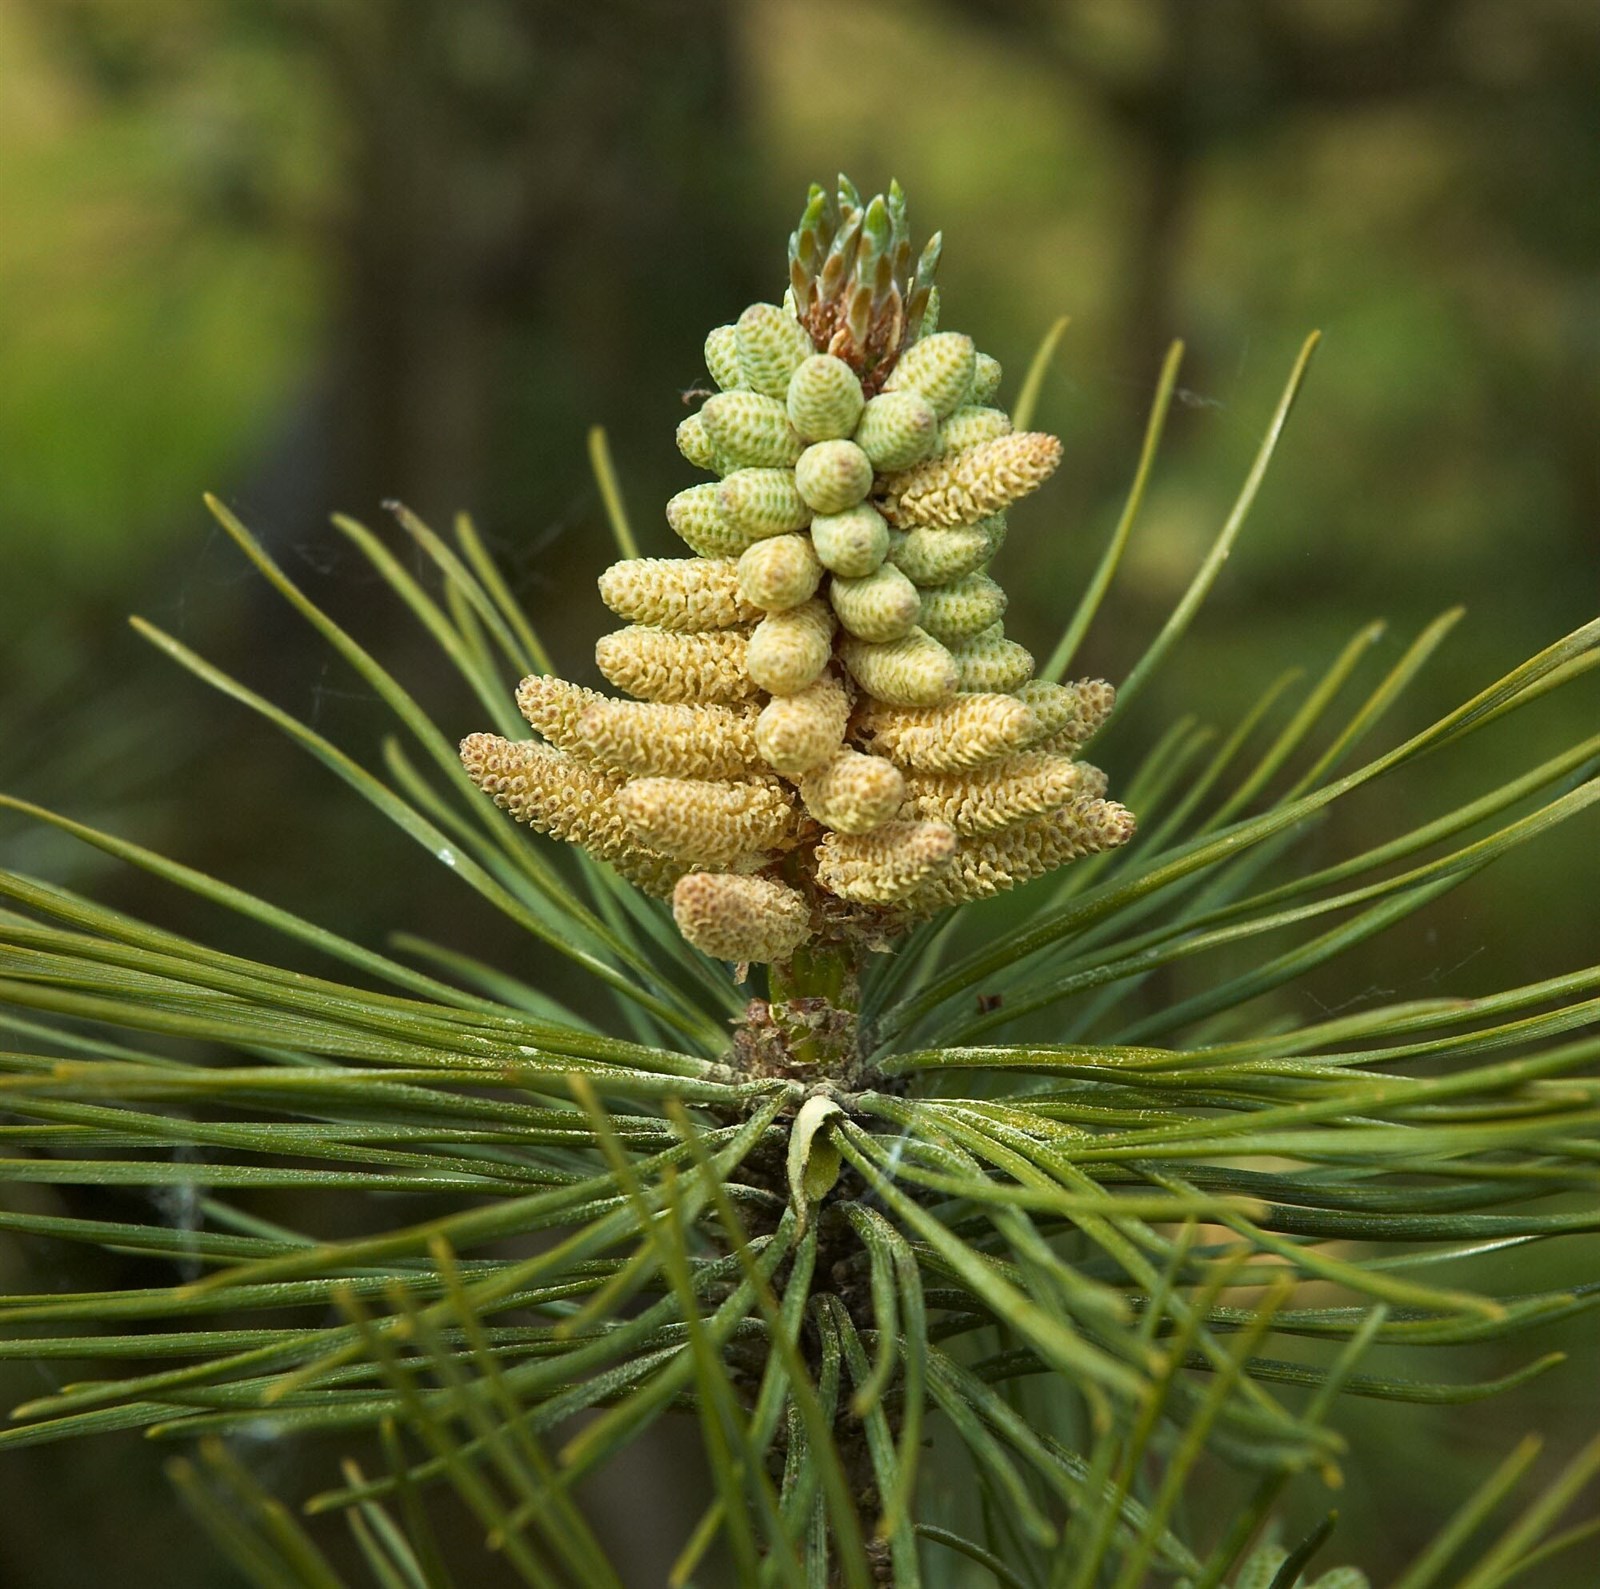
point(316, 254)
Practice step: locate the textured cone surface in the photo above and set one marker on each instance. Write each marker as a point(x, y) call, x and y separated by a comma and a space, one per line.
point(780, 572)
point(833, 476)
point(937, 557)
point(699, 519)
point(883, 606)
point(658, 665)
point(651, 739)
point(722, 358)
point(963, 487)
point(986, 375)
point(743, 919)
point(824, 400)
point(1000, 793)
point(772, 346)
point(991, 663)
point(554, 706)
point(561, 796)
point(938, 369)
point(694, 442)
point(965, 608)
point(761, 502)
point(897, 429)
point(708, 824)
point(629, 737)
point(795, 733)
point(1092, 782)
point(751, 431)
point(1068, 713)
point(790, 649)
point(964, 732)
point(883, 867)
point(971, 426)
point(853, 543)
point(853, 793)
point(915, 671)
point(544, 787)
point(998, 861)
point(677, 592)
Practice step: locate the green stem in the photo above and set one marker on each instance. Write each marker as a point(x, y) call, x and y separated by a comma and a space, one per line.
point(815, 1000)
point(816, 972)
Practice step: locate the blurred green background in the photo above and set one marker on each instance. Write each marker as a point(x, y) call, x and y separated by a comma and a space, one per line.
point(315, 254)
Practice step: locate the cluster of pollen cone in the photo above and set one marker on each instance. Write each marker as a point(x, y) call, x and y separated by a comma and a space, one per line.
point(828, 731)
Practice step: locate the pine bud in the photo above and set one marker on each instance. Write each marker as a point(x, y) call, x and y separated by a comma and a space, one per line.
point(677, 592)
point(742, 919)
point(779, 572)
point(990, 663)
point(914, 671)
point(788, 650)
point(956, 612)
point(883, 605)
point(999, 793)
point(853, 543)
point(938, 367)
point(833, 476)
point(963, 487)
point(853, 793)
point(772, 346)
point(938, 557)
point(698, 518)
point(986, 375)
point(708, 824)
point(657, 665)
point(970, 426)
point(964, 732)
point(722, 358)
point(762, 502)
point(658, 739)
point(884, 866)
point(795, 733)
point(897, 429)
point(824, 399)
point(751, 431)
